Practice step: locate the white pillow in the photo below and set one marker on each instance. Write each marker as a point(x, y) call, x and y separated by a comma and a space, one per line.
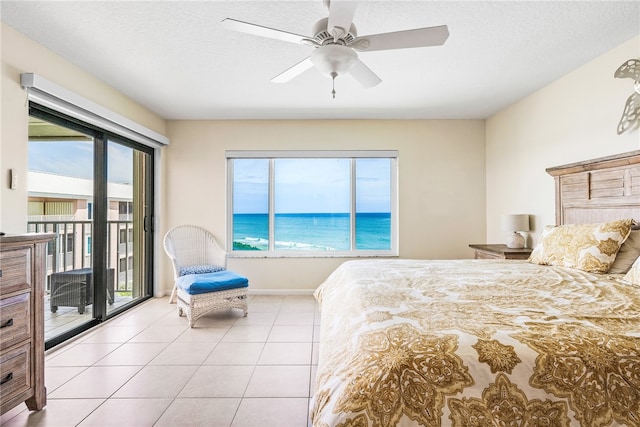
point(588, 247)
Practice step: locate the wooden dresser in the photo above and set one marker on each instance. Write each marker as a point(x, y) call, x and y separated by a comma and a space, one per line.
point(499, 252)
point(22, 279)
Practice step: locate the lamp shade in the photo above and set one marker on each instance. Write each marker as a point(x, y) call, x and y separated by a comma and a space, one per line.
point(333, 58)
point(517, 222)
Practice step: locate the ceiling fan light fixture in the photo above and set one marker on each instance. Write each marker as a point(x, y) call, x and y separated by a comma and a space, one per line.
point(335, 40)
point(334, 58)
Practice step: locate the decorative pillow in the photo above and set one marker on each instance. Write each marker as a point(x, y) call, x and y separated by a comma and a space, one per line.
point(633, 276)
point(200, 269)
point(627, 255)
point(588, 247)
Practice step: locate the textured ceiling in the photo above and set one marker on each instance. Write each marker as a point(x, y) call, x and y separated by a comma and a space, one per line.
point(176, 59)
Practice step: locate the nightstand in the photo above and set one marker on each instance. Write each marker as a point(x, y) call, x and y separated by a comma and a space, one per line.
point(499, 252)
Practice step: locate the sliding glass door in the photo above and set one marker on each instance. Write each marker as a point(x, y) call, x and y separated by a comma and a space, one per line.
point(129, 218)
point(93, 190)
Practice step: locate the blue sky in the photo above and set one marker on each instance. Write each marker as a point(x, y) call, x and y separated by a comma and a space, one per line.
point(311, 185)
point(302, 185)
point(75, 159)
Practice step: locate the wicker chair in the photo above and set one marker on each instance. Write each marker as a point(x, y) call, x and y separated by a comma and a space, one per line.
point(202, 282)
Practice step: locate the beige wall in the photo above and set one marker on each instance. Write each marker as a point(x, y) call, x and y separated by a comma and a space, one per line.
point(441, 178)
point(19, 55)
point(570, 120)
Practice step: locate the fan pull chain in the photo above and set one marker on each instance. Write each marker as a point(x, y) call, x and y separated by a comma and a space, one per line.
point(333, 84)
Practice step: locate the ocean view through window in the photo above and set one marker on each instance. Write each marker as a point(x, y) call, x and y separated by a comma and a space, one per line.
point(312, 203)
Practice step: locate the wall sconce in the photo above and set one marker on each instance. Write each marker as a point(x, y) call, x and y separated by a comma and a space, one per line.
point(512, 224)
point(630, 119)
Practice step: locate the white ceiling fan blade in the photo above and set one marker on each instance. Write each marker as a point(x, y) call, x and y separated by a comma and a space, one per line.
point(419, 37)
point(341, 15)
point(293, 71)
point(259, 30)
point(364, 75)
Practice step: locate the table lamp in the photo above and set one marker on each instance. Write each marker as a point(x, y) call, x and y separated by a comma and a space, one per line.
point(512, 224)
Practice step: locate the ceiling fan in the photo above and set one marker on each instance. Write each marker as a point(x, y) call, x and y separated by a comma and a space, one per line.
point(335, 40)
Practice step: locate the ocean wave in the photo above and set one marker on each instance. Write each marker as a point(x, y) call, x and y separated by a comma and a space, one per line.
point(302, 246)
point(258, 243)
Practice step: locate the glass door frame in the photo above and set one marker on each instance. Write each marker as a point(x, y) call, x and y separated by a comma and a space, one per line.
point(99, 234)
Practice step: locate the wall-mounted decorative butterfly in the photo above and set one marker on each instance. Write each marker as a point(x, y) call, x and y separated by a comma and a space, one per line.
point(631, 115)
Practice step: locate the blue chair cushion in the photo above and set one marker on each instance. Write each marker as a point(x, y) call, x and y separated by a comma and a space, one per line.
point(211, 282)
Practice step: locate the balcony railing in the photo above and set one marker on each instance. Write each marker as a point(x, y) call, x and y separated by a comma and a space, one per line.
point(72, 247)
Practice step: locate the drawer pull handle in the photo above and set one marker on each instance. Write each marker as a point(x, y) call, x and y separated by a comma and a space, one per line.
point(7, 378)
point(7, 323)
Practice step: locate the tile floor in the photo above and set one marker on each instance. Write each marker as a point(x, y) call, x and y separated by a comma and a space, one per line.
point(66, 318)
point(148, 368)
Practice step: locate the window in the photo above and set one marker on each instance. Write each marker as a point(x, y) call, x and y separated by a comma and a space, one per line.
point(315, 203)
point(126, 236)
point(69, 244)
point(125, 210)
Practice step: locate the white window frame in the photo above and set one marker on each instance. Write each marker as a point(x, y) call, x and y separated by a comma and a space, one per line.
point(352, 155)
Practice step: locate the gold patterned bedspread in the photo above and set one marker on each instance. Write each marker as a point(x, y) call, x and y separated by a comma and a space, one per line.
point(476, 343)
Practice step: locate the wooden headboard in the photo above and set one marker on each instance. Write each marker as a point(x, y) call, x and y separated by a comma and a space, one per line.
point(598, 190)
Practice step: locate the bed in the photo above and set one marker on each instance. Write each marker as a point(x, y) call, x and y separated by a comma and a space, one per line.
point(494, 342)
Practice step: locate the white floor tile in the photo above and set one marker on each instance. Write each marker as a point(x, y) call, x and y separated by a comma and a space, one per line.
point(284, 353)
point(298, 304)
point(127, 412)
point(291, 333)
point(82, 354)
point(258, 318)
point(235, 353)
point(11, 413)
point(184, 353)
point(218, 381)
point(294, 318)
point(160, 333)
point(257, 333)
point(55, 376)
point(279, 381)
point(95, 382)
point(264, 307)
point(148, 368)
point(261, 412)
point(58, 413)
point(157, 381)
point(199, 412)
point(202, 334)
point(112, 334)
point(133, 354)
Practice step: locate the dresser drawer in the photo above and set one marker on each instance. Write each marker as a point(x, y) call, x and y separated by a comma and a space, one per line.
point(15, 319)
point(15, 268)
point(14, 371)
